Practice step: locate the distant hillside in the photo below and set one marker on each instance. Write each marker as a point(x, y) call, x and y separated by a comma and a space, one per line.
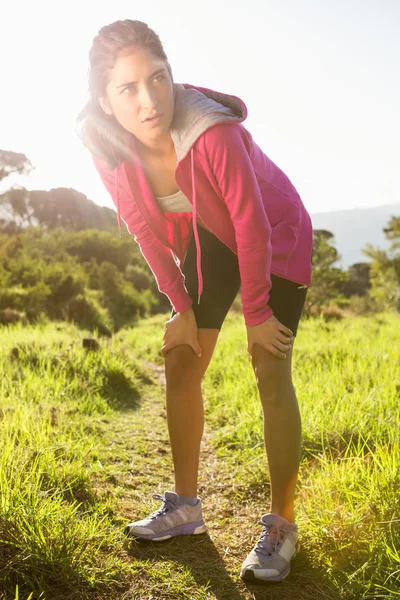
point(355, 228)
point(59, 207)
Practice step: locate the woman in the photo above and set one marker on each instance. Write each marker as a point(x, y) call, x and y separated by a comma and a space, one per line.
point(212, 214)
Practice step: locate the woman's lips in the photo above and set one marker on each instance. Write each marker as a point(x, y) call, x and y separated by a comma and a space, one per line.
point(153, 121)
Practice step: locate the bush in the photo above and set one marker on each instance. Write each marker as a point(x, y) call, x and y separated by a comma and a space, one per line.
point(25, 269)
point(329, 313)
point(30, 300)
point(55, 272)
point(36, 299)
point(102, 247)
point(65, 280)
point(123, 302)
point(332, 313)
point(87, 312)
point(9, 316)
point(363, 305)
point(92, 270)
point(139, 277)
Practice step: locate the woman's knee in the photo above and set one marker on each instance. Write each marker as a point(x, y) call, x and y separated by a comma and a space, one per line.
point(182, 366)
point(273, 375)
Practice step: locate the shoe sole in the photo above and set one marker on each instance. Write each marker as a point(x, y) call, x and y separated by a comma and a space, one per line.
point(249, 576)
point(180, 530)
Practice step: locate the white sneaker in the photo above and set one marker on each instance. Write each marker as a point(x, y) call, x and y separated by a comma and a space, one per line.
point(171, 519)
point(270, 558)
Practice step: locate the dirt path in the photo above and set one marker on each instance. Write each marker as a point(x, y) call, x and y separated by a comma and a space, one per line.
point(137, 463)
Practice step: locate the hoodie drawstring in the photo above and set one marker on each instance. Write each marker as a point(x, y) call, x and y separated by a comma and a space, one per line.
point(117, 198)
point(196, 233)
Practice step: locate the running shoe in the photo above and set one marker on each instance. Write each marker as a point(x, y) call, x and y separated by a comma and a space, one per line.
point(171, 519)
point(270, 558)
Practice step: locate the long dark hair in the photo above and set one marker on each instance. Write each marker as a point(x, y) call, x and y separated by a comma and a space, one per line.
point(101, 133)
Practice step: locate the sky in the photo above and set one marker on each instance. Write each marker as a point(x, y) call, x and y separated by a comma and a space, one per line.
point(320, 81)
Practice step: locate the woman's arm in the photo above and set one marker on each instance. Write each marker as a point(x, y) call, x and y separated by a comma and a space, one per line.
point(167, 273)
point(234, 173)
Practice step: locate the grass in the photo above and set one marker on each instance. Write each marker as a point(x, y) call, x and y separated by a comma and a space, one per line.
point(84, 444)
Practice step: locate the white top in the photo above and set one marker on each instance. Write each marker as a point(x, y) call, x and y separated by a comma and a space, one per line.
point(174, 203)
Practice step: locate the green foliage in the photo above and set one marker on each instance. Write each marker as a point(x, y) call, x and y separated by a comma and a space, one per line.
point(56, 532)
point(359, 282)
point(90, 277)
point(327, 281)
point(362, 305)
point(139, 277)
point(87, 311)
point(385, 269)
point(100, 246)
point(123, 302)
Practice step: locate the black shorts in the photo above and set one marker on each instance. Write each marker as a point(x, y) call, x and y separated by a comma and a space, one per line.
point(221, 278)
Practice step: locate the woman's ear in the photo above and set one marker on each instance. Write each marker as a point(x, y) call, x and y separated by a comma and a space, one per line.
point(105, 105)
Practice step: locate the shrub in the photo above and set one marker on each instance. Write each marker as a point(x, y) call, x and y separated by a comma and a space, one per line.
point(362, 305)
point(139, 277)
point(86, 312)
point(123, 302)
point(9, 316)
point(65, 280)
point(332, 313)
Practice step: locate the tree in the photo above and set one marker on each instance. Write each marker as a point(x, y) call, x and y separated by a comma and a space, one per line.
point(59, 207)
point(385, 268)
point(13, 162)
point(16, 207)
point(327, 280)
point(359, 282)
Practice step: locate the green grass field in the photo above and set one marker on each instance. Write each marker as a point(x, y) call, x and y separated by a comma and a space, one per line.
point(84, 444)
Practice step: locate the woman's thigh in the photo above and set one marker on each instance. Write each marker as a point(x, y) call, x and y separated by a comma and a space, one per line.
point(221, 279)
point(287, 300)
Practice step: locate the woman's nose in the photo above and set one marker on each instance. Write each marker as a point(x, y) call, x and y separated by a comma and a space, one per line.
point(148, 98)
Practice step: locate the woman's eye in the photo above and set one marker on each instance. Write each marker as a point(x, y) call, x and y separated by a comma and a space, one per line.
point(131, 88)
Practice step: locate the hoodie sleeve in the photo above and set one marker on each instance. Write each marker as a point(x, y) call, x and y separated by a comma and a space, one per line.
point(225, 145)
point(169, 277)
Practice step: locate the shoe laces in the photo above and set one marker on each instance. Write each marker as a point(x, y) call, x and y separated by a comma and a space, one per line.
point(166, 506)
point(271, 538)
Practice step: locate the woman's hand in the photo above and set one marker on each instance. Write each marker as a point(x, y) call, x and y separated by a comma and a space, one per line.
point(271, 335)
point(181, 329)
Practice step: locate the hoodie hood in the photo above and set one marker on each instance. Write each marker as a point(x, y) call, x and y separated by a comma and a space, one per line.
point(196, 110)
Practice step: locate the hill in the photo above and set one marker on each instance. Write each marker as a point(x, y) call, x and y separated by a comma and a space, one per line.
point(355, 228)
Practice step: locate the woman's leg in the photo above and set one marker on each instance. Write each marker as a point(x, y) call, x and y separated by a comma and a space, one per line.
point(282, 427)
point(185, 414)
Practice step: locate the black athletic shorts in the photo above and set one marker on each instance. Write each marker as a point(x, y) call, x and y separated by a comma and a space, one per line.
point(221, 284)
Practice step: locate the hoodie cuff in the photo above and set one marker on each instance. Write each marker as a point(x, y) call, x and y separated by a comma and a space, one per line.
point(256, 318)
point(180, 300)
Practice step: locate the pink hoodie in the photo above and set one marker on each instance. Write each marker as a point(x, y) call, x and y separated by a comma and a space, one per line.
point(235, 189)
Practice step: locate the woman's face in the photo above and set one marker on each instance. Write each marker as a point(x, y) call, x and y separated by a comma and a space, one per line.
point(140, 94)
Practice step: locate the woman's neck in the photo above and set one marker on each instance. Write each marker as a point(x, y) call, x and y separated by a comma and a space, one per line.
point(159, 149)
